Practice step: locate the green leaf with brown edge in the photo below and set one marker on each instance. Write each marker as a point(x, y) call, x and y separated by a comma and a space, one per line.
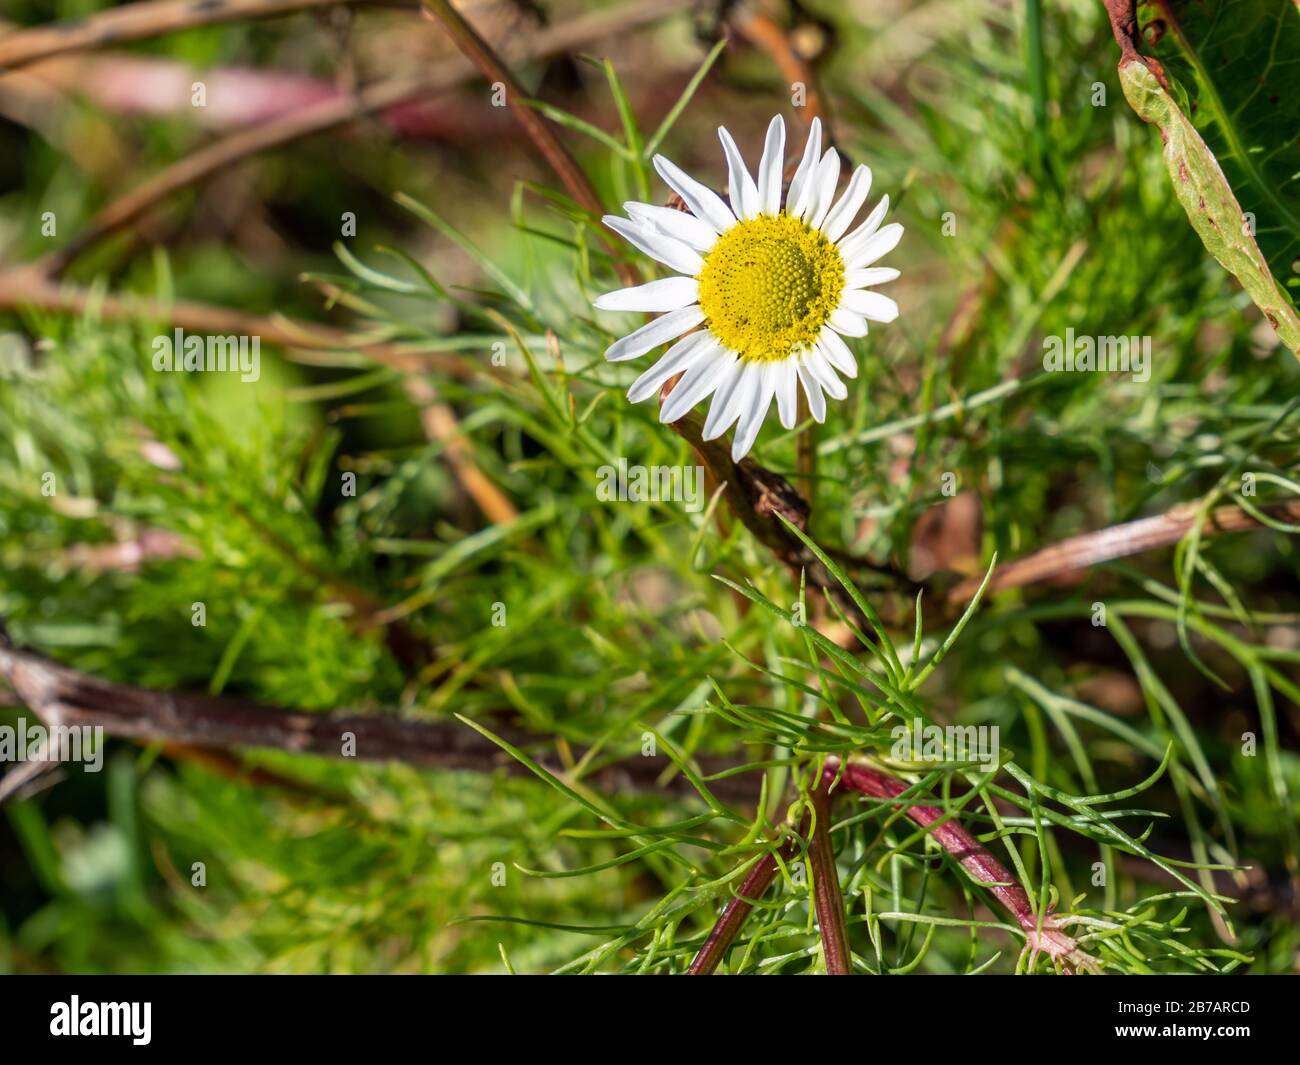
point(1239, 63)
point(1208, 198)
point(1225, 94)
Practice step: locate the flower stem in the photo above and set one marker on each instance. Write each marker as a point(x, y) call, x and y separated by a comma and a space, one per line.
point(753, 887)
point(827, 899)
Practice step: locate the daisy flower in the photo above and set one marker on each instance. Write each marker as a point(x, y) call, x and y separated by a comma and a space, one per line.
point(773, 288)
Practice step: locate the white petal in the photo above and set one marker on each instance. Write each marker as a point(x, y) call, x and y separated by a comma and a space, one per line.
point(740, 186)
point(874, 275)
point(816, 401)
point(846, 323)
point(873, 306)
point(652, 334)
point(752, 418)
point(837, 352)
point(801, 183)
point(666, 294)
point(681, 225)
point(875, 246)
point(824, 373)
point(681, 356)
point(787, 393)
point(731, 398)
point(770, 167)
point(852, 244)
point(828, 176)
point(702, 200)
point(843, 213)
point(710, 368)
point(660, 247)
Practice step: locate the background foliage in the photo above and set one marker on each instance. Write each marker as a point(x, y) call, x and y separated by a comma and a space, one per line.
point(1035, 202)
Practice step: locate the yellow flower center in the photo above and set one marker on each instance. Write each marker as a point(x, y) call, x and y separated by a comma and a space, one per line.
point(769, 285)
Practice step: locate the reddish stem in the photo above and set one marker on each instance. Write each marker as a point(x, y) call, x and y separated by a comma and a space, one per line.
point(974, 857)
point(1043, 932)
point(736, 911)
point(827, 899)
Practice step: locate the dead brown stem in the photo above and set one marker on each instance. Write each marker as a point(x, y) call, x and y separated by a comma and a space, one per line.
point(1118, 541)
point(768, 35)
point(539, 130)
point(64, 696)
point(757, 495)
point(1123, 24)
point(26, 287)
point(134, 22)
point(440, 425)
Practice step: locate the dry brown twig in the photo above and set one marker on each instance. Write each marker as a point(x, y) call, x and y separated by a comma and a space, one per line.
point(63, 696)
point(1078, 553)
point(440, 425)
point(765, 32)
point(27, 287)
point(137, 21)
point(537, 127)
